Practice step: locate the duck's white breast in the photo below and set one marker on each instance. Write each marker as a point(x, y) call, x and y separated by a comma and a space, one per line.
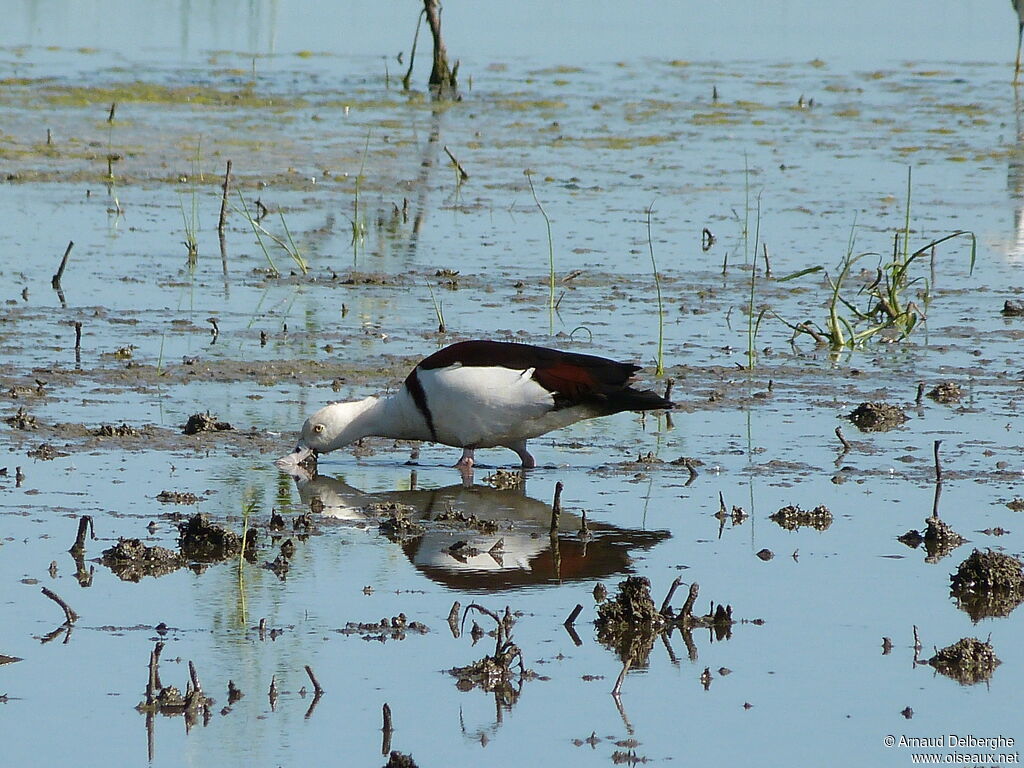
point(484, 406)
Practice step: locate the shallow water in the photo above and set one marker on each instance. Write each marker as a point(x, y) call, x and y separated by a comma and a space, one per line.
point(604, 137)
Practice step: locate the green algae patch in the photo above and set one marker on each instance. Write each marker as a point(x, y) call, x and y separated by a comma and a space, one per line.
point(715, 118)
point(529, 105)
point(620, 142)
point(154, 93)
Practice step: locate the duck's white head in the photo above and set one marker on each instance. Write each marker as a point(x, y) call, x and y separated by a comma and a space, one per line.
point(333, 426)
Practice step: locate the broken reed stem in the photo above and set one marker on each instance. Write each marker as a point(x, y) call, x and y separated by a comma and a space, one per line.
point(660, 368)
point(938, 465)
point(78, 335)
point(317, 690)
point(551, 256)
point(442, 78)
point(224, 200)
point(453, 617)
point(412, 55)
point(197, 687)
point(55, 280)
point(767, 264)
point(573, 616)
point(671, 591)
point(84, 525)
point(843, 440)
point(622, 676)
point(463, 176)
point(387, 730)
point(556, 507)
point(920, 393)
point(691, 598)
point(70, 617)
point(153, 684)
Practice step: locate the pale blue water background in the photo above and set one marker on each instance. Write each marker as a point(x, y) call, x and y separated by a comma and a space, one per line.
point(821, 691)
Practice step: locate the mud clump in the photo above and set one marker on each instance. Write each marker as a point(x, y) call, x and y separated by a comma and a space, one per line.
point(177, 497)
point(629, 622)
point(495, 673)
point(130, 560)
point(505, 480)
point(398, 525)
point(988, 584)
point(400, 760)
point(947, 392)
point(46, 452)
point(201, 540)
point(168, 700)
point(939, 539)
point(204, 422)
point(631, 606)
point(968, 661)
point(990, 570)
point(793, 517)
point(1013, 308)
point(107, 430)
point(877, 417)
point(396, 628)
point(462, 520)
point(22, 420)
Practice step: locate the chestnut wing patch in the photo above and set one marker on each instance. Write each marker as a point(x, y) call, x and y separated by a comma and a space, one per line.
point(573, 384)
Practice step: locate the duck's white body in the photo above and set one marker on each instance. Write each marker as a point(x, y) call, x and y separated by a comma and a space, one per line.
point(483, 394)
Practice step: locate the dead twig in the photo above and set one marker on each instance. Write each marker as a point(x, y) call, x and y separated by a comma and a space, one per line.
point(224, 200)
point(317, 690)
point(843, 440)
point(671, 591)
point(70, 616)
point(622, 676)
point(442, 78)
point(85, 525)
point(463, 176)
point(691, 598)
point(387, 730)
point(55, 280)
point(556, 508)
point(412, 56)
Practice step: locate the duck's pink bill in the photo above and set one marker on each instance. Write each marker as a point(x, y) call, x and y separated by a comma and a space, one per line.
point(291, 462)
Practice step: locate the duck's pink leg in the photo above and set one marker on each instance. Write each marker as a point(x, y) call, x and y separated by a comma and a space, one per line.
point(465, 466)
point(466, 462)
point(520, 448)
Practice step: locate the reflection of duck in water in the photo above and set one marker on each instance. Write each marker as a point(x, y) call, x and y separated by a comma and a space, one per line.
point(518, 552)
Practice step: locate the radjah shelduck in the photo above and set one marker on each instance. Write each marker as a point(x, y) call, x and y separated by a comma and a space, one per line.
point(482, 394)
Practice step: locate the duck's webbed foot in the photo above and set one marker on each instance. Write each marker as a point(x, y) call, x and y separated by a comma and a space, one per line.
point(520, 448)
